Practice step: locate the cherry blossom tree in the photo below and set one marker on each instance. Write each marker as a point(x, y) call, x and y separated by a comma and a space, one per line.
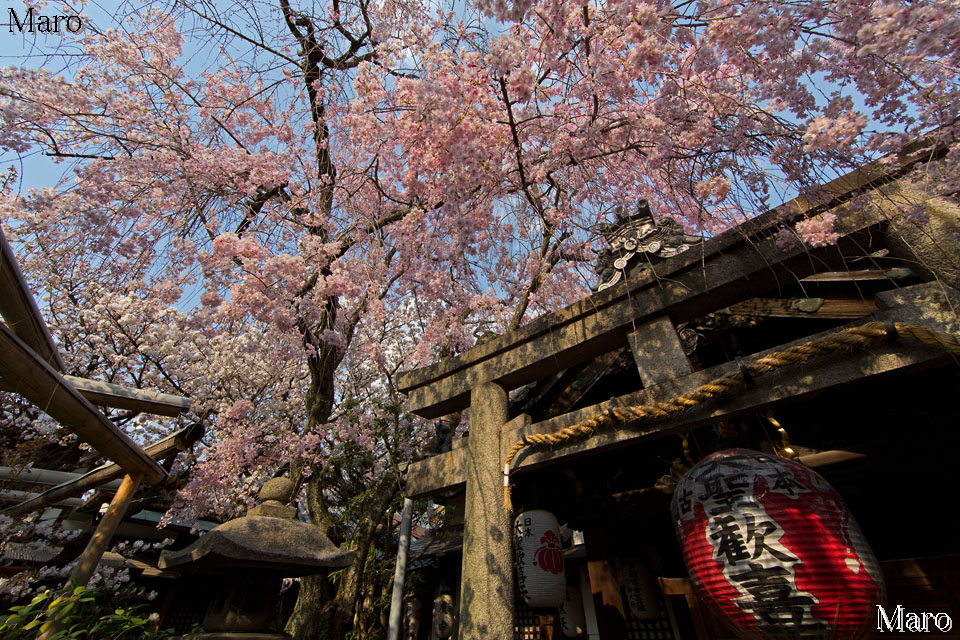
point(274, 207)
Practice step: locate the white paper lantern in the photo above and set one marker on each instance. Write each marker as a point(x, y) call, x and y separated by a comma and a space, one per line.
point(443, 613)
point(572, 619)
point(539, 552)
point(639, 587)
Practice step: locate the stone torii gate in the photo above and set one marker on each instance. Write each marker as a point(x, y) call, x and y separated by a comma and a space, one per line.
point(643, 311)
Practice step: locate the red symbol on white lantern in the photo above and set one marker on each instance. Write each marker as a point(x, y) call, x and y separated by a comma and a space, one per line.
point(540, 575)
point(549, 556)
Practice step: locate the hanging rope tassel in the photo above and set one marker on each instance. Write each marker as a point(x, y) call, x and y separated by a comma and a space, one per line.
point(507, 501)
point(843, 341)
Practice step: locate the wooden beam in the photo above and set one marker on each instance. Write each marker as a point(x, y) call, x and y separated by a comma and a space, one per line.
point(924, 304)
point(34, 475)
point(30, 376)
point(161, 450)
point(15, 496)
point(804, 308)
point(19, 309)
point(115, 396)
point(825, 458)
point(860, 275)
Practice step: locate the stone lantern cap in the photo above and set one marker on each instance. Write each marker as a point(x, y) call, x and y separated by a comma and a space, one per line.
point(267, 539)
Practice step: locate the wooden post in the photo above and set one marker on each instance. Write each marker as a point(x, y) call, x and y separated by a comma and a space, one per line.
point(90, 557)
point(607, 601)
point(548, 627)
point(684, 587)
point(486, 590)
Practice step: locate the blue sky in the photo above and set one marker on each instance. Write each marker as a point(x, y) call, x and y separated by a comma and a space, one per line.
point(40, 50)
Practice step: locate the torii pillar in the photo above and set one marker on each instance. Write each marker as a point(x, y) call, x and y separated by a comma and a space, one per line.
point(486, 586)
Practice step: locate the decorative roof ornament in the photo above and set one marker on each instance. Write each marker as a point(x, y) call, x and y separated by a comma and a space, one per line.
point(691, 332)
point(636, 236)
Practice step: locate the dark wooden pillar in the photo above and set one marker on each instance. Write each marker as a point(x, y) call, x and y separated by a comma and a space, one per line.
point(607, 601)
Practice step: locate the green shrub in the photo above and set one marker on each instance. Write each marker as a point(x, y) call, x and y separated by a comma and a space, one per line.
point(78, 613)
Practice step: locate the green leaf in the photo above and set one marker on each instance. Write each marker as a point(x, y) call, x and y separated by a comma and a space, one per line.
point(62, 613)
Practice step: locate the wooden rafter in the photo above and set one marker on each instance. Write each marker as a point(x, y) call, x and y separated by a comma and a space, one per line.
point(160, 450)
point(818, 308)
point(20, 310)
point(118, 396)
point(29, 375)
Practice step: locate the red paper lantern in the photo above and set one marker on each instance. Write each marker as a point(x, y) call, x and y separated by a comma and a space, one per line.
point(540, 577)
point(772, 547)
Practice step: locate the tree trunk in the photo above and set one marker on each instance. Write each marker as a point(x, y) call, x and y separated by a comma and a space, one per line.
point(322, 613)
point(313, 613)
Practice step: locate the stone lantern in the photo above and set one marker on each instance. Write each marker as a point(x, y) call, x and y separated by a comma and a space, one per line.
point(247, 559)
